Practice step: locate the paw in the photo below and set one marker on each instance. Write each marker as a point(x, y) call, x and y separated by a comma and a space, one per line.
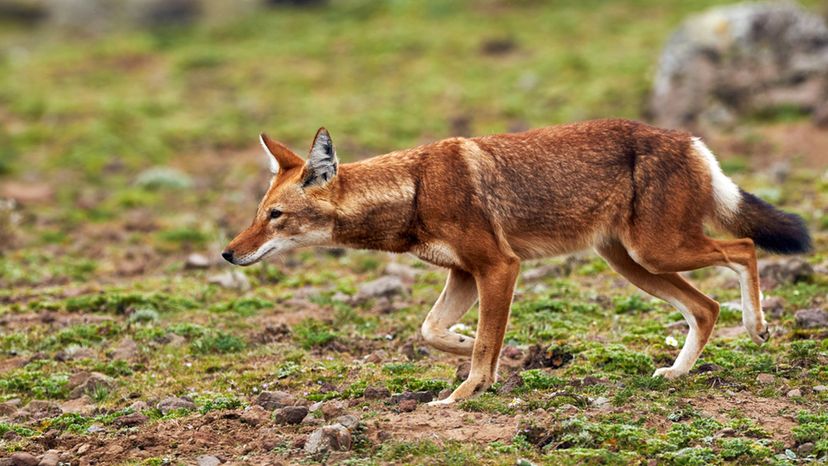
point(761, 336)
point(667, 373)
point(444, 402)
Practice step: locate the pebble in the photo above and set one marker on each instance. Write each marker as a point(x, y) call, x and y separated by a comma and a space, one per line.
point(207, 460)
point(765, 379)
point(383, 287)
point(407, 406)
point(23, 459)
point(328, 438)
point(50, 458)
point(197, 261)
point(172, 403)
point(275, 399)
point(376, 393)
point(795, 393)
point(290, 414)
point(811, 318)
point(131, 420)
point(821, 388)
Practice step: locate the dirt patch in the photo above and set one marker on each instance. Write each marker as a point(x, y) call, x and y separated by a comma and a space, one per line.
point(220, 434)
point(442, 423)
point(775, 415)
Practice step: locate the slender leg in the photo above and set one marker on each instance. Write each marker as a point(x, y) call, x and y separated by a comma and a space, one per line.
point(457, 297)
point(738, 255)
point(495, 286)
point(700, 311)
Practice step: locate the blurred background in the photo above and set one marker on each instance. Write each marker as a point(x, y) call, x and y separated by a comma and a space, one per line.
point(128, 128)
point(129, 156)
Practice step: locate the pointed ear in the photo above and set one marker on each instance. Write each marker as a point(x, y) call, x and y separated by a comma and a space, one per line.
point(322, 162)
point(279, 156)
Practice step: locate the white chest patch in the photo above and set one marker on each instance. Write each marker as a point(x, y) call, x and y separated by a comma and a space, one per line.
point(438, 253)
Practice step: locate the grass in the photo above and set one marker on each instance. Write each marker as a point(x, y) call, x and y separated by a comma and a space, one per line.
point(147, 141)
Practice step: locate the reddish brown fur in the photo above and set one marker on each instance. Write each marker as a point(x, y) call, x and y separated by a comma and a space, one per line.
point(479, 206)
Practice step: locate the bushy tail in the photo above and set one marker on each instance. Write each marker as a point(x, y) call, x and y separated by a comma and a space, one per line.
point(770, 228)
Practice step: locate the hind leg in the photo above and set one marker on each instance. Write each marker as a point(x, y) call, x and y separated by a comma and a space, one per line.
point(700, 311)
point(697, 251)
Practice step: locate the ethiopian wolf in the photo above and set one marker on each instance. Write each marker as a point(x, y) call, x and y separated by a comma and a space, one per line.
point(639, 195)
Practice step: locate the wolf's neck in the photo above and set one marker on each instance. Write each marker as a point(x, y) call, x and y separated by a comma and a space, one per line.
point(376, 204)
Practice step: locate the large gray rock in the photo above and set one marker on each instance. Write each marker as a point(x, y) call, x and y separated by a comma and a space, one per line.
point(741, 59)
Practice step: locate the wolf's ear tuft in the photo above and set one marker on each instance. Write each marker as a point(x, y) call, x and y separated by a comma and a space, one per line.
point(279, 156)
point(322, 162)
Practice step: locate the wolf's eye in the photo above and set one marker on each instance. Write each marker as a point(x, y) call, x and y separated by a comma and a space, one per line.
point(275, 213)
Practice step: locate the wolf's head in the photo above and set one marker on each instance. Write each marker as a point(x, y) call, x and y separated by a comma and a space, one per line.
point(296, 210)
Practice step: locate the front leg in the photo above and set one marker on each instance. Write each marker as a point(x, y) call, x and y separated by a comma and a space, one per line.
point(495, 285)
point(457, 297)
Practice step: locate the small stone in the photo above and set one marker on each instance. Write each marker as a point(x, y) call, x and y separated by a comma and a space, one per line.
point(444, 393)
point(413, 352)
point(406, 406)
point(795, 393)
point(333, 408)
point(76, 354)
point(232, 279)
point(290, 414)
point(513, 353)
point(315, 407)
point(821, 388)
point(377, 356)
point(276, 399)
point(7, 409)
point(126, 350)
point(50, 458)
point(23, 459)
point(163, 177)
point(811, 318)
point(131, 420)
point(207, 460)
point(420, 397)
point(542, 272)
point(348, 420)
point(38, 410)
point(383, 287)
point(328, 438)
point(773, 306)
point(512, 383)
point(87, 383)
point(376, 393)
point(765, 379)
point(706, 367)
point(197, 261)
point(600, 402)
point(404, 272)
point(83, 406)
point(173, 403)
point(138, 406)
point(462, 371)
point(805, 449)
point(255, 415)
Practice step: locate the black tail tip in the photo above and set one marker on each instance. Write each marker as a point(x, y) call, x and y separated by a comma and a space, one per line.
point(777, 232)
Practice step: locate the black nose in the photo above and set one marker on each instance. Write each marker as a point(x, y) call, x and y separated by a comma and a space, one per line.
point(228, 255)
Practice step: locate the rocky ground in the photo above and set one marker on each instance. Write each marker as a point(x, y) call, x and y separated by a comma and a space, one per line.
point(126, 164)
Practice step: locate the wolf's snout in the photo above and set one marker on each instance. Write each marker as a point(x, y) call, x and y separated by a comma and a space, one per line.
point(228, 255)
